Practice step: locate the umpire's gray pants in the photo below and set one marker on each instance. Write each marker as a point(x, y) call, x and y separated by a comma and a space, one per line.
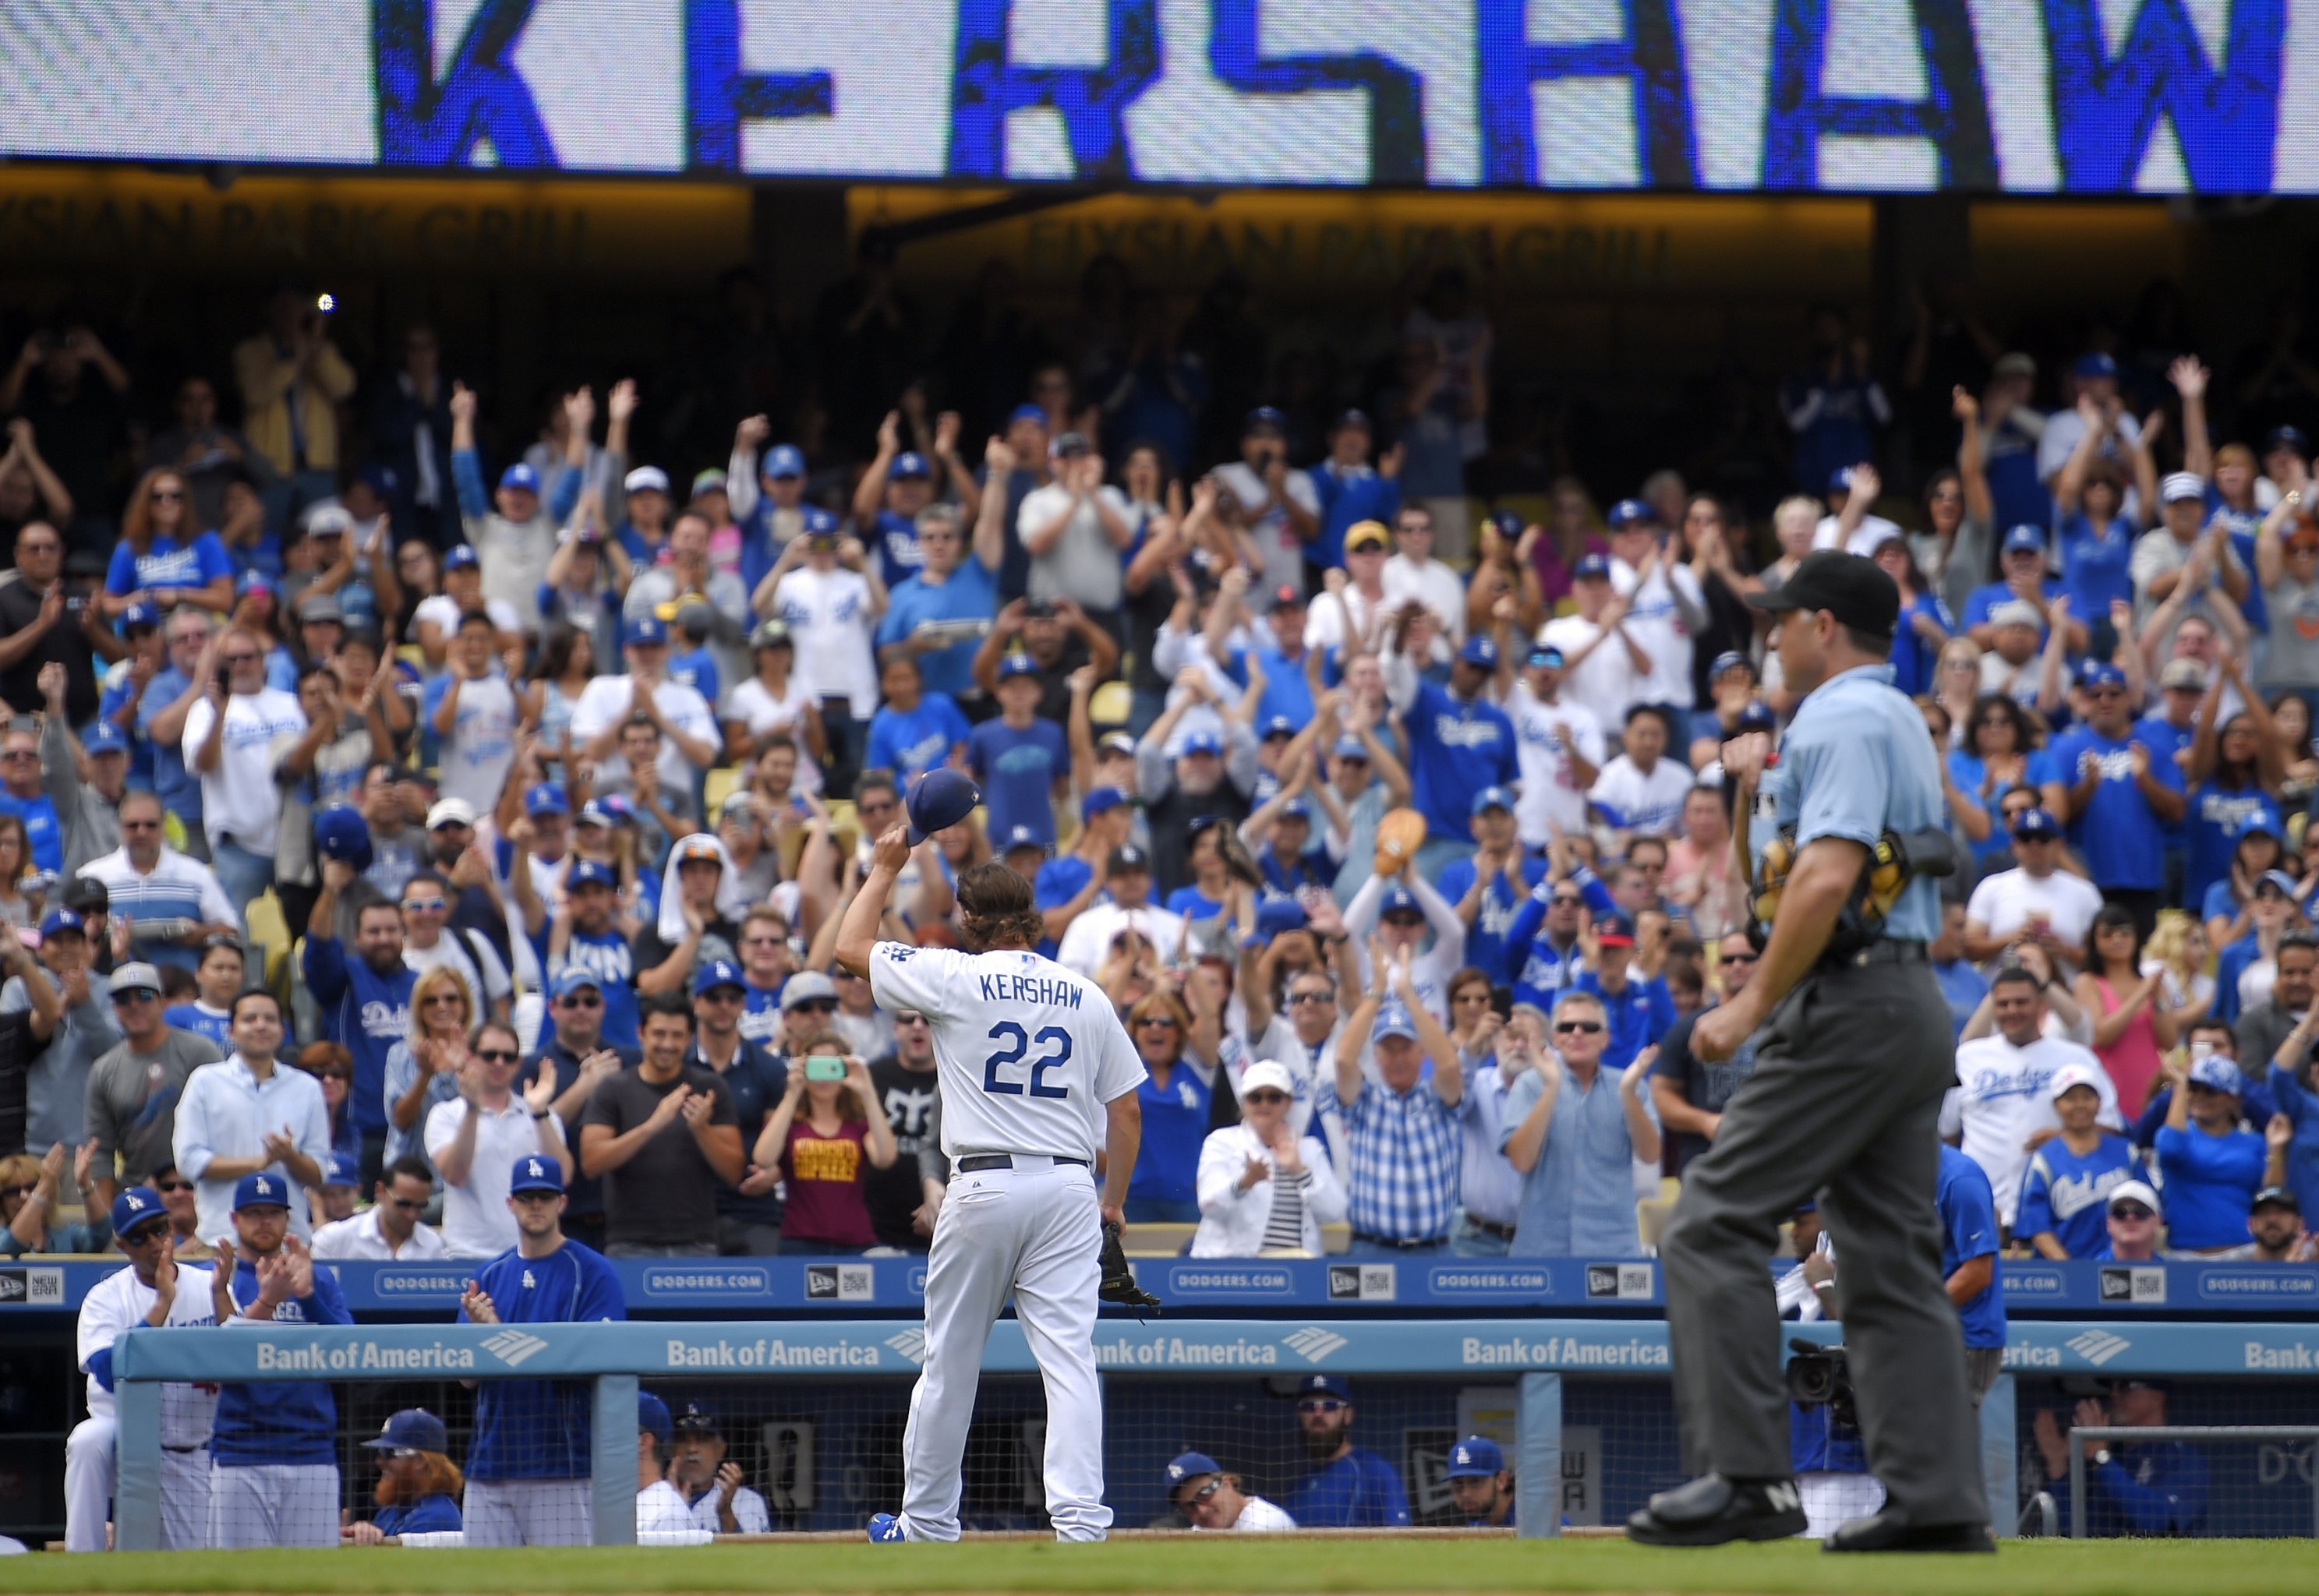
point(1843, 1103)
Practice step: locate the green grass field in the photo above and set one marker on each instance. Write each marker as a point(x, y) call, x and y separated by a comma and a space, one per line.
point(2058, 1568)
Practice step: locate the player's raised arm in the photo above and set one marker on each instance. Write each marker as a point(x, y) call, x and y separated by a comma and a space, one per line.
point(857, 933)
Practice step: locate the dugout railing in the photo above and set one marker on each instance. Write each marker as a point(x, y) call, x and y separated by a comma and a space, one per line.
point(1598, 1378)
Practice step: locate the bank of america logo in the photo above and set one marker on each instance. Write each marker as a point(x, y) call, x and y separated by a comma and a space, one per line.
point(512, 1347)
point(2097, 1346)
point(911, 1344)
point(1312, 1343)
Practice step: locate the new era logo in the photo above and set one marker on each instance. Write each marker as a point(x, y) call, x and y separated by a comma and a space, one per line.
point(2097, 1346)
point(911, 1344)
point(1312, 1343)
point(512, 1347)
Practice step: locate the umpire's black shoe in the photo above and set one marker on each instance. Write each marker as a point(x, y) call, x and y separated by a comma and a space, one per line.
point(1890, 1532)
point(1713, 1509)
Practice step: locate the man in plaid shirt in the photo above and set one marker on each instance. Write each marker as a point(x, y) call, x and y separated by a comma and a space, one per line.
point(1404, 1134)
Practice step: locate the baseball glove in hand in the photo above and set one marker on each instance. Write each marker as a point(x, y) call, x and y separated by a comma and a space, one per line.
point(1399, 835)
point(1118, 1280)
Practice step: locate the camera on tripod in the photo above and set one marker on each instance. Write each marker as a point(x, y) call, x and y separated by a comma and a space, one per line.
point(1820, 1377)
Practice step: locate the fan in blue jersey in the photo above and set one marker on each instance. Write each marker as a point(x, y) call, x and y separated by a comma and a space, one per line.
point(1351, 1487)
point(2066, 1189)
point(274, 1469)
point(418, 1484)
point(527, 1472)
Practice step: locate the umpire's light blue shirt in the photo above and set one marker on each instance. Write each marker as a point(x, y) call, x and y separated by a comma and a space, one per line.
point(1855, 763)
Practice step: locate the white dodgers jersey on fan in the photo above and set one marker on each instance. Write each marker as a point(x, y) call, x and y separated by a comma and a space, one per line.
point(1028, 1051)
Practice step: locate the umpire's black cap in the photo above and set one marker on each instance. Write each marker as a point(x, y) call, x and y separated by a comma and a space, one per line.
point(1849, 587)
point(940, 798)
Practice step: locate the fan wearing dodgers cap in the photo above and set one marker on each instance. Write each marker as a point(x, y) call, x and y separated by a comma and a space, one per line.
point(767, 500)
point(472, 709)
point(950, 585)
point(1459, 742)
point(1263, 1190)
point(2162, 555)
point(56, 1086)
point(2003, 1095)
point(527, 1470)
point(1664, 607)
point(1278, 501)
point(513, 534)
point(1021, 762)
point(1036, 1076)
point(1210, 1499)
point(691, 742)
point(830, 596)
point(155, 1290)
point(1557, 744)
point(2118, 796)
point(2212, 1164)
point(274, 1471)
point(2065, 1191)
point(1603, 666)
point(1489, 888)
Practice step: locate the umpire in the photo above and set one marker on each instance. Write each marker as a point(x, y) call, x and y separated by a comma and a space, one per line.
point(1852, 1060)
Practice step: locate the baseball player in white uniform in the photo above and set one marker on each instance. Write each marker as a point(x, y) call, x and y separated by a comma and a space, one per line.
point(154, 1290)
point(1034, 1066)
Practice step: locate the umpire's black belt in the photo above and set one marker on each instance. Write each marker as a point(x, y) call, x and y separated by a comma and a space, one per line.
point(1881, 951)
point(977, 1162)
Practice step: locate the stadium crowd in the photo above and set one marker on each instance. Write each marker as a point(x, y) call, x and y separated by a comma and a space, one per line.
point(528, 783)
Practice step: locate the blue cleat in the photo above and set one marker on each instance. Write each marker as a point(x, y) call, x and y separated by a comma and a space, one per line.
point(885, 1526)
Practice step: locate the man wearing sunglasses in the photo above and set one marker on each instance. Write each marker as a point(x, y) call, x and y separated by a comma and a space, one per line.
point(1573, 1127)
point(1351, 1487)
point(389, 1230)
point(1210, 1499)
point(1689, 1093)
point(134, 1089)
point(749, 1211)
point(155, 1290)
point(576, 1055)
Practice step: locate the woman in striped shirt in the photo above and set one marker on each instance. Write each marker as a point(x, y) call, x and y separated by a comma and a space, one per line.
point(1263, 1190)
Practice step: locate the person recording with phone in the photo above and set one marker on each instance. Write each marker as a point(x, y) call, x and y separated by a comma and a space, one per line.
point(826, 1137)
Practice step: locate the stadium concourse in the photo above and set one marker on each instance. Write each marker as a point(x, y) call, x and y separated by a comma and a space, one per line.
point(428, 822)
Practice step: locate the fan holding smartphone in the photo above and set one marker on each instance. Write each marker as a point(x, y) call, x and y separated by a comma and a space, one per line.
point(827, 1134)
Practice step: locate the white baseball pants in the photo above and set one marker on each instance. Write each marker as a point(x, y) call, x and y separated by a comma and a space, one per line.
point(88, 1490)
point(529, 1513)
point(1032, 1229)
point(274, 1505)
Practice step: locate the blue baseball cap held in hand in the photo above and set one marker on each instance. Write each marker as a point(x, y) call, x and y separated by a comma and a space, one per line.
point(341, 833)
point(940, 798)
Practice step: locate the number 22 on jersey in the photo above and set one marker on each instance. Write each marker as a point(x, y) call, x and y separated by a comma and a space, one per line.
point(1054, 1038)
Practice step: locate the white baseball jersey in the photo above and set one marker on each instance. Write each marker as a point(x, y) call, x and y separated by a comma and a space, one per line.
point(121, 1302)
point(1027, 1052)
point(661, 1508)
point(2003, 1095)
point(748, 1512)
point(1260, 1517)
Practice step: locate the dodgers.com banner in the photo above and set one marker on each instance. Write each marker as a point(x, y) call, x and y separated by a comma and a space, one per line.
point(1265, 1288)
point(2085, 96)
